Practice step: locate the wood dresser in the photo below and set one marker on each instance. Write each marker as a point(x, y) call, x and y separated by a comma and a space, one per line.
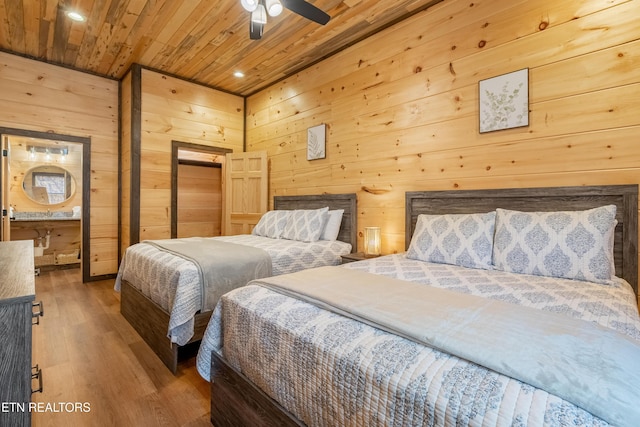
point(17, 295)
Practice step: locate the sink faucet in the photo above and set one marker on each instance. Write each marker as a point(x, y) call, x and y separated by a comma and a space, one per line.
point(49, 212)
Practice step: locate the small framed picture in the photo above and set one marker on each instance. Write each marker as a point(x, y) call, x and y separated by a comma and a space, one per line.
point(316, 142)
point(504, 101)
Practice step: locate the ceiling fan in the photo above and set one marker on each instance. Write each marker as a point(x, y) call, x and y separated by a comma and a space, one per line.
point(260, 8)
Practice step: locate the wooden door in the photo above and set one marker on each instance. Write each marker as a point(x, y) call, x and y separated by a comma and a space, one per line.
point(245, 191)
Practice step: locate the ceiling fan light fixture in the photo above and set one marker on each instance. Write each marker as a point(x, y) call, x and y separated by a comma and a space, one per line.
point(259, 16)
point(249, 5)
point(274, 7)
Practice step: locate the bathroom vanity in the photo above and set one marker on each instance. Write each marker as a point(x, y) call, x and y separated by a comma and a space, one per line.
point(64, 237)
point(44, 210)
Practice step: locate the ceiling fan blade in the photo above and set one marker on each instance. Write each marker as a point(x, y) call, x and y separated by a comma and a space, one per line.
point(307, 10)
point(255, 30)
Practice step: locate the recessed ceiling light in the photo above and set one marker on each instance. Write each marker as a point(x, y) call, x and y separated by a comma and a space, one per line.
point(75, 16)
point(238, 74)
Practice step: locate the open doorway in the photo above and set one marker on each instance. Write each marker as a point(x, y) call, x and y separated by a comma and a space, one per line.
point(45, 196)
point(196, 189)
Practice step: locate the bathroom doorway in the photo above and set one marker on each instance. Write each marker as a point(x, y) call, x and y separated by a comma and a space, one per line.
point(45, 196)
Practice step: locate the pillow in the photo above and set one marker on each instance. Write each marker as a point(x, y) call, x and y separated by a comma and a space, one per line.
point(571, 245)
point(459, 239)
point(305, 225)
point(332, 227)
point(272, 224)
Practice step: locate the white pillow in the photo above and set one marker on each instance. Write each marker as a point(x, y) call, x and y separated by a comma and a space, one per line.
point(272, 224)
point(459, 239)
point(332, 227)
point(570, 244)
point(305, 225)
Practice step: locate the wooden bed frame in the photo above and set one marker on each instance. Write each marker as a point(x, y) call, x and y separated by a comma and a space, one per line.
point(236, 401)
point(625, 197)
point(152, 322)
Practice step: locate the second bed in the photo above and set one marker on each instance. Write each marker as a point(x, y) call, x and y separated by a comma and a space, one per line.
point(162, 294)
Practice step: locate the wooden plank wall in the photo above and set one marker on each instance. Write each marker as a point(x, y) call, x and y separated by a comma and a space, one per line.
point(46, 98)
point(174, 109)
point(199, 201)
point(401, 107)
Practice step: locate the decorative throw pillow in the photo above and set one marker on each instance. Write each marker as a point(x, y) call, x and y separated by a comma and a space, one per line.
point(305, 225)
point(571, 244)
point(272, 224)
point(332, 227)
point(459, 239)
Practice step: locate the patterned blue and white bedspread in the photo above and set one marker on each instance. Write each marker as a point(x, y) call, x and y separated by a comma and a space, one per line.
point(330, 370)
point(173, 283)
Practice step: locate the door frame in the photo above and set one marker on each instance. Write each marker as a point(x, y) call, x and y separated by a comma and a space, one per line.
point(187, 146)
point(86, 184)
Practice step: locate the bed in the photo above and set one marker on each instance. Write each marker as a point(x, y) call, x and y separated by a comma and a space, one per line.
point(364, 375)
point(168, 314)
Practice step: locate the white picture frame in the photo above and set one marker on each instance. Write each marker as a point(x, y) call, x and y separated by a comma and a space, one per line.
point(316, 142)
point(504, 101)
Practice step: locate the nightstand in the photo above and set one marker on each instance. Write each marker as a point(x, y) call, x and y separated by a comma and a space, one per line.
point(357, 256)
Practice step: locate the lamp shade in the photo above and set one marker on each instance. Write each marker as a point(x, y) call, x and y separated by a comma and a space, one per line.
point(274, 7)
point(372, 241)
point(249, 5)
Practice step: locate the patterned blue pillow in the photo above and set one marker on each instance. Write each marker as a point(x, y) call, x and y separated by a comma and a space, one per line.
point(272, 224)
point(571, 245)
point(305, 225)
point(459, 239)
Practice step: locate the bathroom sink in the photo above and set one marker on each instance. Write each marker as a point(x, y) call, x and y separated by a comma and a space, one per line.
point(61, 214)
point(43, 216)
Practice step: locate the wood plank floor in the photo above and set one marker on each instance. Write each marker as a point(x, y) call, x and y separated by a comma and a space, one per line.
point(89, 353)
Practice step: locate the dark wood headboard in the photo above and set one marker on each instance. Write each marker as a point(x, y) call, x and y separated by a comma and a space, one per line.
point(625, 197)
point(348, 228)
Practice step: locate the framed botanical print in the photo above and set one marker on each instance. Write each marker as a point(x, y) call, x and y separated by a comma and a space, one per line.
point(504, 101)
point(316, 142)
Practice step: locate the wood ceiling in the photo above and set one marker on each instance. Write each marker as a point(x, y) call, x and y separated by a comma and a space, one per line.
point(199, 40)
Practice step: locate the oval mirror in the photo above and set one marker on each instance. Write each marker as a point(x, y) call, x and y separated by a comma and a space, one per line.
point(49, 185)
